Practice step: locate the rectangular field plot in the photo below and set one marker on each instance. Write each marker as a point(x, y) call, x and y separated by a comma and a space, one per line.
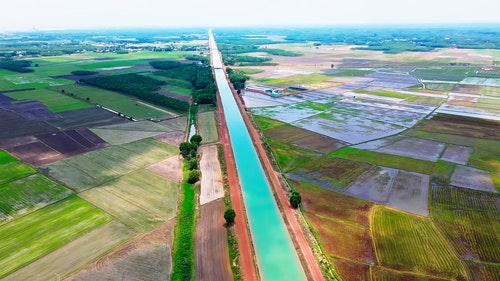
point(24, 127)
point(329, 172)
point(55, 102)
point(418, 248)
point(45, 230)
point(27, 194)
point(470, 220)
point(289, 113)
point(407, 146)
point(129, 132)
point(304, 138)
point(410, 193)
point(398, 114)
point(457, 154)
point(207, 127)
point(374, 185)
point(86, 117)
point(94, 168)
point(473, 178)
point(11, 168)
point(348, 128)
point(75, 254)
point(490, 91)
point(334, 233)
point(141, 200)
point(116, 101)
point(492, 82)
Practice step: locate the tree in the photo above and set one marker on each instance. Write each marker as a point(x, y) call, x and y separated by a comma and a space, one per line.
point(193, 176)
point(185, 148)
point(196, 139)
point(229, 215)
point(192, 164)
point(295, 199)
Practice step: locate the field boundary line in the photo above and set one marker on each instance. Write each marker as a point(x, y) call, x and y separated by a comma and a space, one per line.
point(414, 273)
point(371, 218)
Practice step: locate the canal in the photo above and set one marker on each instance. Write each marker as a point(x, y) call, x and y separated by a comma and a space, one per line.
point(276, 256)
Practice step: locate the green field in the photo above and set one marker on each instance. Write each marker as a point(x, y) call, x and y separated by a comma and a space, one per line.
point(207, 127)
point(306, 80)
point(141, 200)
point(265, 123)
point(12, 169)
point(490, 91)
point(55, 102)
point(405, 242)
point(97, 167)
point(330, 172)
point(45, 230)
point(118, 102)
point(174, 85)
point(27, 194)
point(409, 98)
point(470, 220)
point(443, 87)
point(76, 254)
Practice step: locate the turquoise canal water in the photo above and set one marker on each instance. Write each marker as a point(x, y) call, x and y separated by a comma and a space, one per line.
point(276, 256)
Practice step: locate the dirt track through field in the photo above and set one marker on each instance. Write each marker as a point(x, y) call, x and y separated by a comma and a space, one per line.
point(212, 260)
point(212, 187)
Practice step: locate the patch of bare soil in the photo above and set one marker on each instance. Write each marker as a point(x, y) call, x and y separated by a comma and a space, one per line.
point(350, 271)
point(472, 178)
point(463, 126)
point(170, 168)
point(410, 192)
point(174, 138)
point(147, 257)
point(212, 259)
point(175, 96)
point(212, 186)
point(457, 154)
point(467, 89)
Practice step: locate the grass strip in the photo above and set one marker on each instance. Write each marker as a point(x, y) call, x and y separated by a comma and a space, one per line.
point(183, 248)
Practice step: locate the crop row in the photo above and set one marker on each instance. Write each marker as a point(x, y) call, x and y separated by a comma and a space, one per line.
point(470, 220)
point(41, 232)
point(409, 243)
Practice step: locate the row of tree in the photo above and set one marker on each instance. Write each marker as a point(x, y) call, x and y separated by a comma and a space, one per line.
point(237, 78)
point(20, 66)
point(139, 86)
point(199, 75)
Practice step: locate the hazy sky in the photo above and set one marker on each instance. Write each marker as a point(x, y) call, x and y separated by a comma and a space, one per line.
point(28, 14)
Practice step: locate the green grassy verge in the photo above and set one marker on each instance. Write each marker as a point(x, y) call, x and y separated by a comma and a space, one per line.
point(46, 230)
point(183, 246)
point(418, 246)
point(55, 102)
